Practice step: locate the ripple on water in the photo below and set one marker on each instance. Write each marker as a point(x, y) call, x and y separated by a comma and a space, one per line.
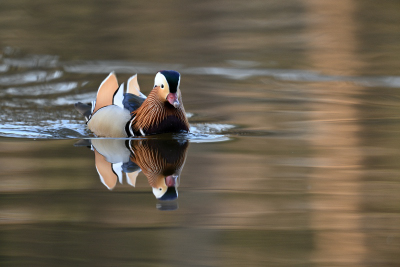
point(69, 129)
point(29, 77)
point(42, 89)
point(63, 129)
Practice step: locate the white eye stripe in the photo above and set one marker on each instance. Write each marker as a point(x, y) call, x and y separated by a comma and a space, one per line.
point(160, 80)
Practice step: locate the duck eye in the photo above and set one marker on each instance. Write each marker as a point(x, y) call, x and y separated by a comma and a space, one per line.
point(160, 189)
point(162, 86)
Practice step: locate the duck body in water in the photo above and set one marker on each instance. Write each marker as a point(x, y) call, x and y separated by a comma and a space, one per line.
point(118, 114)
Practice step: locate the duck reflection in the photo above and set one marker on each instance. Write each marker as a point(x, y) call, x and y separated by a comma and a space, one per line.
point(160, 160)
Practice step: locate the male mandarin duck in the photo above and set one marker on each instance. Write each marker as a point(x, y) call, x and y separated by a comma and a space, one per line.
point(115, 114)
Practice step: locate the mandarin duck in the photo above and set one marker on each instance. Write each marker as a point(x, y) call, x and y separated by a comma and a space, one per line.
point(118, 114)
point(161, 161)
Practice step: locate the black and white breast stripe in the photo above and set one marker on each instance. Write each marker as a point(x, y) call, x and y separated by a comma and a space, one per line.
point(129, 131)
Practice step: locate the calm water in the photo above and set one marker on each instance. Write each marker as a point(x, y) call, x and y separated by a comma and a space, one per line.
point(294, 155)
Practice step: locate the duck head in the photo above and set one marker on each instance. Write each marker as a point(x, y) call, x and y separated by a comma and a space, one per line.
point(165, 188)
point(168, 82)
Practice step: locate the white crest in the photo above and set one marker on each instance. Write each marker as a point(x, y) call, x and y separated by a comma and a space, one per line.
point(160, 79)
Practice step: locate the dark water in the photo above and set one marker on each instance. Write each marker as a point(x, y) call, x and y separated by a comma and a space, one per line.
point(294, 155)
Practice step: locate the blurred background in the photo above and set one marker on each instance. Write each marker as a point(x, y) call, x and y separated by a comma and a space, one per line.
point(295, 155)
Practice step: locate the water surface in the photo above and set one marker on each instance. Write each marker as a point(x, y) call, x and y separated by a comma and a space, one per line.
point(293, 156)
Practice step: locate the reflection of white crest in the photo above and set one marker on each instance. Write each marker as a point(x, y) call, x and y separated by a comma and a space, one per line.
point(159, 192)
